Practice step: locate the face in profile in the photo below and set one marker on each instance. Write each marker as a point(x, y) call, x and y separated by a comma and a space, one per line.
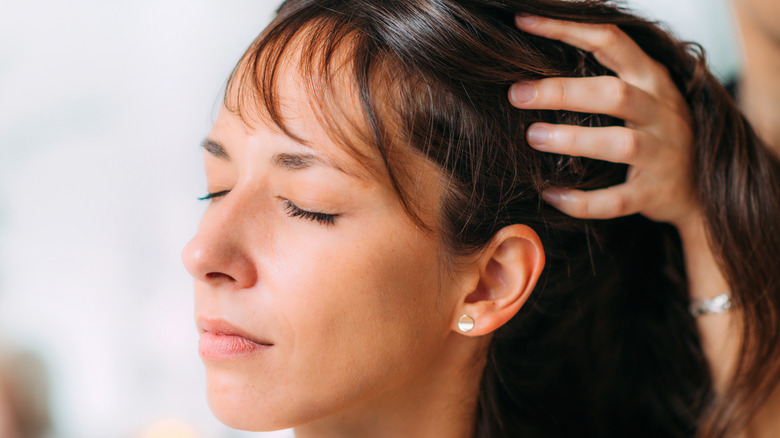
point(315, 292)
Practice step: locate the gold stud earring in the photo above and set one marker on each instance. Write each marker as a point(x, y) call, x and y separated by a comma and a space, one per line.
point(465, 323)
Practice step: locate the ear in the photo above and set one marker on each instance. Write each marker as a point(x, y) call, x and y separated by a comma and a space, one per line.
point(508, 271)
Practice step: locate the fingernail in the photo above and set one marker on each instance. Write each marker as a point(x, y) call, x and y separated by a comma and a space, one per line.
point(537, 136)
point(522, 93)
point(552, 196)
point(526, 20)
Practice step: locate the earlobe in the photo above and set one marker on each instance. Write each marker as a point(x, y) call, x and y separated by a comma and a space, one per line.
point(508, 272)
point(465, 323)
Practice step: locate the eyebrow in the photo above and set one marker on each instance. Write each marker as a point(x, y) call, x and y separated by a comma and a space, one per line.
point(215, 148)
point(285, 161)
point(297, 161)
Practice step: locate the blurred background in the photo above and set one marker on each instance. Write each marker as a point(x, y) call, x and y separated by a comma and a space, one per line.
point(102, 109)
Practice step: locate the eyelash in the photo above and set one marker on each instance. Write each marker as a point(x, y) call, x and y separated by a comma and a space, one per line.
point(291, 209)
point(211, 196)
point(295, 211)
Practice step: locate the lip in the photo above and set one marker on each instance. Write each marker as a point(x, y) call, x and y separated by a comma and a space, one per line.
point(220, 340)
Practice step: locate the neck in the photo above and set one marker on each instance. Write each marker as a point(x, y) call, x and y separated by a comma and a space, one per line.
point(759, 89)
point(440, 403)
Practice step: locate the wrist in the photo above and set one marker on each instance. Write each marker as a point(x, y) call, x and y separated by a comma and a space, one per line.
point(712, 306)
point(691, 229)
point(705, 279)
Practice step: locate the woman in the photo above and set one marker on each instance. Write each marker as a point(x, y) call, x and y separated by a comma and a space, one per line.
point(377, 260)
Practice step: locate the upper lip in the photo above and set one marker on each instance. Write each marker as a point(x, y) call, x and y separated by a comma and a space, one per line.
point(219, 326)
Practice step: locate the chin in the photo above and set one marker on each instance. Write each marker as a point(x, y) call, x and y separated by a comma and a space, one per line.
point(235, 402)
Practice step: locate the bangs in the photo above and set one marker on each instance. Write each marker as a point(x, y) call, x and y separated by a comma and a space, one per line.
point(351, 84)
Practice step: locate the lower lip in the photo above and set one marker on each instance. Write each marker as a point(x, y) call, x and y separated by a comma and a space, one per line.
point(226, 347)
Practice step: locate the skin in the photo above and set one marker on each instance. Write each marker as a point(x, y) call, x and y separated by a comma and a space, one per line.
point(656, 142)
point(359, 314)
point(759, 88)
point(759, 99)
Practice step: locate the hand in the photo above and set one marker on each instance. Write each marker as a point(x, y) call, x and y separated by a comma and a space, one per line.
point(656, 141)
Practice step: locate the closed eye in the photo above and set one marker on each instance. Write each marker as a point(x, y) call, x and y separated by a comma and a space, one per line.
point(295, 211)
point(213, 195)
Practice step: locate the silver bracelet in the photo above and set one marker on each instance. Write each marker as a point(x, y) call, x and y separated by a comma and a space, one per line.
point(720, 304)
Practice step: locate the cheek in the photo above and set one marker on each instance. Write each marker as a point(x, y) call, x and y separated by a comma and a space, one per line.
point(363, 312)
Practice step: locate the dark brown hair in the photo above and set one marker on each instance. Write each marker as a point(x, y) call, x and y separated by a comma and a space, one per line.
point(606, 346)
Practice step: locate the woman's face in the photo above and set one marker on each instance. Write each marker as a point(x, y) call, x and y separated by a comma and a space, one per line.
point(314, 291)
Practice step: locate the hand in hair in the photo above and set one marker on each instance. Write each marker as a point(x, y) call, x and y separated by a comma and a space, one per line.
point(656, 141)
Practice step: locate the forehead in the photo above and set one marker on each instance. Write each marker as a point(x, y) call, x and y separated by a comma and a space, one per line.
point(316, 105)
point(231, 139)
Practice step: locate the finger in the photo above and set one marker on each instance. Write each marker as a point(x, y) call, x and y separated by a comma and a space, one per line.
point(612, 202)
point(600, 94)
point(614, 143)
point(610, 45)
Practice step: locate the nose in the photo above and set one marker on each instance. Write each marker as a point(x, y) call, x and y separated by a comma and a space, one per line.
point(218, 253)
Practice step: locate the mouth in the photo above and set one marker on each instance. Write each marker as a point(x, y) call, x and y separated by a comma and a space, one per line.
point(220, 340)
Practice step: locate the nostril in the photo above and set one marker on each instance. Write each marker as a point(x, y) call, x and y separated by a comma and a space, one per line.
point(219, 276)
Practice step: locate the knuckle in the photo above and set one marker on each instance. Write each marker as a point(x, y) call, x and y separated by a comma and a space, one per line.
point(630, 148)
point(559, 94)
point(618, 94)
point(572, 138)
point(550, 92)
point(619, 206)
point(607, 36)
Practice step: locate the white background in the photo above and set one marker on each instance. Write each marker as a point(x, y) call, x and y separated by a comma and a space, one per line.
point(103, 105)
